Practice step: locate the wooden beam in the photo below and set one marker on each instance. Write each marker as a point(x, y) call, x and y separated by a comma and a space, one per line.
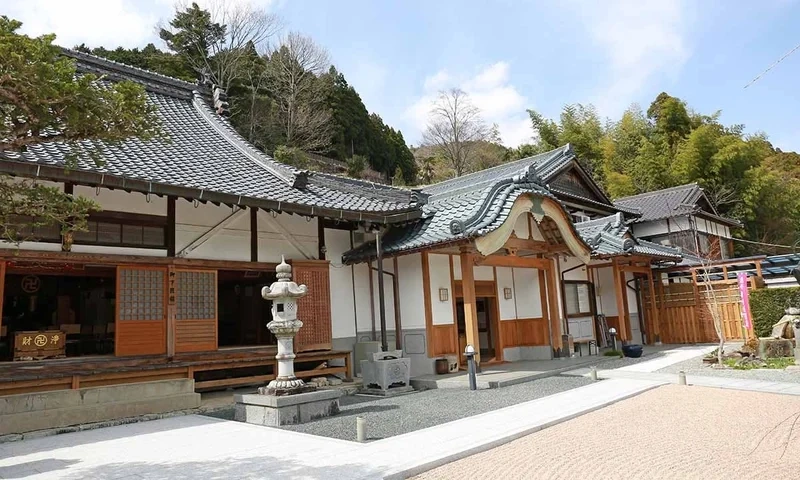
point(634, 269)
point(513, 261)
point(321, 248)
point(197, 242)
point(253, 234)
point(171, 220)
point(470, 306)
point(426, 298)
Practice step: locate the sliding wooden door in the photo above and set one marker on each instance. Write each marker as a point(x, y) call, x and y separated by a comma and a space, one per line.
point(141, 311)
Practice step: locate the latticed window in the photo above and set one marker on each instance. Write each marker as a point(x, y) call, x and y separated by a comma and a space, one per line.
point(141, 294)
point(196, 295)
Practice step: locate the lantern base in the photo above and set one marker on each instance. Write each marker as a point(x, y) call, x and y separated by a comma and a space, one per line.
point(274, 411)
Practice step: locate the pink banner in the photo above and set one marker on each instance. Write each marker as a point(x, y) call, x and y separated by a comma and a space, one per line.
point(745, 294)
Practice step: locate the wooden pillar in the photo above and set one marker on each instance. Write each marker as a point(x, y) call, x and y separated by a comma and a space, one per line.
point(253, 234)
point(170, 226)
point(552, 305)
point(428, 304)
point(321, 239)
point(545, 305)
point(655, 319)
point(171, 310)
point(2, 293)
point(470, 307)
point(619, 289)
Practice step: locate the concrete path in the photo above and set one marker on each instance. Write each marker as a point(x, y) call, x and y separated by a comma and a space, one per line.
point(202, 447)
point(704, 381)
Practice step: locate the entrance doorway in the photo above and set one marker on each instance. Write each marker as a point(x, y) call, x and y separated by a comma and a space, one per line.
point(77, 304)
point(488, 335)
point(243, 314)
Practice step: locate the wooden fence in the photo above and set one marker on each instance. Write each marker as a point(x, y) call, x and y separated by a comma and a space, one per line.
point(684, 312)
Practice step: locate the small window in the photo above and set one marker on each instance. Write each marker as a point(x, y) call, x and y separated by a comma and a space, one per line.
point(577, 296)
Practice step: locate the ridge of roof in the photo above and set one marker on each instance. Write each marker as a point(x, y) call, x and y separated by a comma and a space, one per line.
point(476, 180)
point(155, 81)
point(686, 186)
point(285, 173)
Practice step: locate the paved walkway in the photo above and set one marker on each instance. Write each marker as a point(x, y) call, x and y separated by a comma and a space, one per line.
point(667, 433)
point(195, 446)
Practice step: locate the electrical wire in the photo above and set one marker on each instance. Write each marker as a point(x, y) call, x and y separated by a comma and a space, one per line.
point(772, 66)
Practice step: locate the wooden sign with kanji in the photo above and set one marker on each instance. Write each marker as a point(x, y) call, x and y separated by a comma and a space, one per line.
point(39, 344)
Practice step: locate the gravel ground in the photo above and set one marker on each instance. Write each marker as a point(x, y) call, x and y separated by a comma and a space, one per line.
point(387, 417)
point(695, 366)
point(666, 433)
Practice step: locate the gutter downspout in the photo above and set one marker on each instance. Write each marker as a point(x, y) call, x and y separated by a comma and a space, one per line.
point(637, 290)
point(381, 295)
point(397, 324)
point(564, 296)
point(353, 280)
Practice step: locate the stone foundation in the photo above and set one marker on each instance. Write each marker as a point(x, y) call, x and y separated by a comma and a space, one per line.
point(274, 411)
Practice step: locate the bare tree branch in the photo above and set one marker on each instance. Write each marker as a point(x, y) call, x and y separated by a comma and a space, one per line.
point(454, 128)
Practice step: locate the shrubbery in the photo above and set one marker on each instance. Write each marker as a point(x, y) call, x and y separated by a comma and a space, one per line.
point(768, 305)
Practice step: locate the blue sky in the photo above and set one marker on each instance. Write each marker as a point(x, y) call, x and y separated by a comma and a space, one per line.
point(514, 55)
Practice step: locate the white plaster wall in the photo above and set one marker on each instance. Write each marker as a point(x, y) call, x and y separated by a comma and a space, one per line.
point(456, 267)
point(440, 278)
point(412, 302)
point(363, 311)
point(567, 263)
point(341, 284)
point(505, 279)
point(122, 201)
point(521, 229)
point(632, 307)
point(527, 296)
point(651, 229)
point(604, 290)
point(233, 242)
point(483, 273)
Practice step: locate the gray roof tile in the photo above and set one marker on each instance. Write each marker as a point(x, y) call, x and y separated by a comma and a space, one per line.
point(203, 151)
point(669, 203)
point(610, 236)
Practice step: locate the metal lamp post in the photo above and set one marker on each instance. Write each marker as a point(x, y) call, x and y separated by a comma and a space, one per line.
point(469, 352)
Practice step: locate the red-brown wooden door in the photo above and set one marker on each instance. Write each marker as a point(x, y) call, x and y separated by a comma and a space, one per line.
point(141, 311)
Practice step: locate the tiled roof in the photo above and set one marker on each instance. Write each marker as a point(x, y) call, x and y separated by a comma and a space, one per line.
point(669, 203)
point(476, 204)
point(204, 153)
point(468, 206)
point(610, 236)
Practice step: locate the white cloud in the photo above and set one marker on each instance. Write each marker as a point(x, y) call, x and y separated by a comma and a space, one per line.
point(642, 40)
point(490, 90)
point(109, 23)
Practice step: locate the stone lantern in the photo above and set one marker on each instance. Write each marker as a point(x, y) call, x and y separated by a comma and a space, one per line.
point(286, 400)
point(284, 325)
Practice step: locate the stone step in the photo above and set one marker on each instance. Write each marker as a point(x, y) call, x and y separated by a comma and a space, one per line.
point(30, 421)
point(59, 399)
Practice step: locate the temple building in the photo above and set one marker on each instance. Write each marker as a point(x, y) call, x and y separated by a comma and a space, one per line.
point(527, 260)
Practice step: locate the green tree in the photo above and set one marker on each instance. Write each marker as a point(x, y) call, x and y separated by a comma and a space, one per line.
point(350, 116)
point(580, 126)
point(43, 99)
point(356, 166)
point(148, 58)
point(671, 119)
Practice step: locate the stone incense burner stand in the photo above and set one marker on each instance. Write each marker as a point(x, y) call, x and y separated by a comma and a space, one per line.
point(287, 400)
